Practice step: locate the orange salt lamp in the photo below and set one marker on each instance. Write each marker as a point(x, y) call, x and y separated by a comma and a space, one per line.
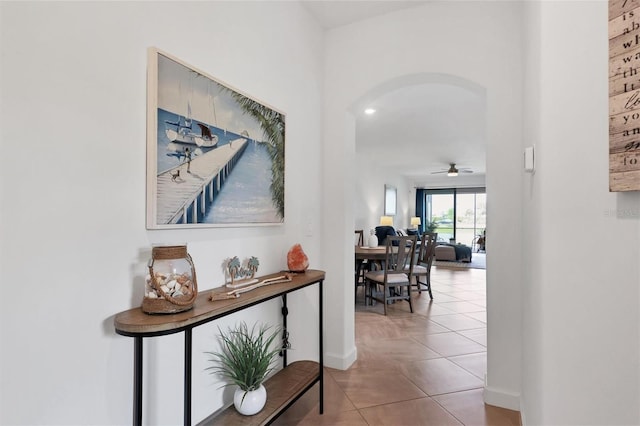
point(297, 261)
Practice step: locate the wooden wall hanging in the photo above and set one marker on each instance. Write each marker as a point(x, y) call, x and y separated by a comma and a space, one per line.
point(624, 95)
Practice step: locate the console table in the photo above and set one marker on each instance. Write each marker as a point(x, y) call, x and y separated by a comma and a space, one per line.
point(283, 389)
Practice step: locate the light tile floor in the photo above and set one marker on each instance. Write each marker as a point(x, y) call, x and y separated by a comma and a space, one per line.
point(425, 368)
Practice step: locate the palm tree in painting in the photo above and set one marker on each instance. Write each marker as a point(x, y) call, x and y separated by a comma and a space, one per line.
point(272, 124)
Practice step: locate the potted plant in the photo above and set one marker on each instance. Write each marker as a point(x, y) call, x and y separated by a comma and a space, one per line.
point(430, 227)
point(246, 359)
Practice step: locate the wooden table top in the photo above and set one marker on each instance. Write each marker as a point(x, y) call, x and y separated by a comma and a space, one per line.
point(373, 253)
point(135, 322)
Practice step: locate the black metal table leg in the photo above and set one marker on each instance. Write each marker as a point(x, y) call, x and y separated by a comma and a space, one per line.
point(321, 360)
point(187, 375)
point(137, 381)
point(285, 331)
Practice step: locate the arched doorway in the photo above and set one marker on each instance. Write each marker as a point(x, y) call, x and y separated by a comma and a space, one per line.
point(339, 213)
point(422, 124)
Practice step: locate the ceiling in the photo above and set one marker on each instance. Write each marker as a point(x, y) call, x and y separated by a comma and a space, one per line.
point(421, 129)
point(425, 126)
point(335, 13)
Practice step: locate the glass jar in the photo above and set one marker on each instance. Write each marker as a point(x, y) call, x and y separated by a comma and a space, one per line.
point(171, 284)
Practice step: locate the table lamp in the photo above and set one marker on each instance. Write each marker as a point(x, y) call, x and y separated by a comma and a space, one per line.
point(386, 221)
point(415, 222)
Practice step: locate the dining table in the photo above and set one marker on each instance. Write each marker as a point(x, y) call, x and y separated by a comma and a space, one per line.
point(378, 253)
point(370, 254)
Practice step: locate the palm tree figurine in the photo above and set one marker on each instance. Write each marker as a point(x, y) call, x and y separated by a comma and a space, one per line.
point(234, 267)
point(253, 265)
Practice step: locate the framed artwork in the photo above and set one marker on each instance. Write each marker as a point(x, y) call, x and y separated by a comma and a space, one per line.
point(215, 156)
point(624, 95)
point(390, 200)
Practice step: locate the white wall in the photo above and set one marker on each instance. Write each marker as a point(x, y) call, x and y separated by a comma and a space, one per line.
point(73, 240)
point(476, 41)
point(533, 241)
point(581, 297)
point(368, 199)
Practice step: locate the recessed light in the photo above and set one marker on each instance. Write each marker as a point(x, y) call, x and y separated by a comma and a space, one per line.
point(369, 111)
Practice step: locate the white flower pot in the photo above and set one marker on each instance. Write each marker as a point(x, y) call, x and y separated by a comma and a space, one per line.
point(253, 401)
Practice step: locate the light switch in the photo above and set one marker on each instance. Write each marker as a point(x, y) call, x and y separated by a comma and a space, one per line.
point(529, 159)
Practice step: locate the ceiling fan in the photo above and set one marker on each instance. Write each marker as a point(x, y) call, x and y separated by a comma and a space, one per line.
point(453, 170)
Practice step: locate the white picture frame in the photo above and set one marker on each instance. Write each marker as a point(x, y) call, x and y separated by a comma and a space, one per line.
point(215, 156)
point(390, 200)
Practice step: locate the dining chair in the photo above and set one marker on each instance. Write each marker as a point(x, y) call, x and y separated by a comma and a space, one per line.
point(396, 275)
point(361, 265)
point(426, 254)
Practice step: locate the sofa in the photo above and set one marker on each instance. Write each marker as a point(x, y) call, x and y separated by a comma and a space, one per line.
point(382, 232)
point(453, 252)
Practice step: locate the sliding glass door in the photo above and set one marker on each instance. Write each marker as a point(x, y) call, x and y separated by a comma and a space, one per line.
point(441, 206)
point(459, 213)
point(471, 215)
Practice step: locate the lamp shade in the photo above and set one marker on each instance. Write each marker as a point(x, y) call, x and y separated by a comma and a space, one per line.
point(386, 221)
point(415, 221)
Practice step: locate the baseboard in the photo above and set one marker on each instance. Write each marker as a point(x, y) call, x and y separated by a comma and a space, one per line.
point(340, 362)
point(501, 398)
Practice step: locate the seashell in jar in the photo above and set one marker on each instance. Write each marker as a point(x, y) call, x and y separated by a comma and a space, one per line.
point(172, 283)
point(178, 294)
point(152, 295)
point(178, 287)
point(165, 289)
point(186, 291)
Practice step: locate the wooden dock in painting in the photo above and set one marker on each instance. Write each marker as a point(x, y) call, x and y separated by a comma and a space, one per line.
point(184, 198)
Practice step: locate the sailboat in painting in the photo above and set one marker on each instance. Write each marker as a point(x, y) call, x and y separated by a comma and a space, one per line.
point(183, 133)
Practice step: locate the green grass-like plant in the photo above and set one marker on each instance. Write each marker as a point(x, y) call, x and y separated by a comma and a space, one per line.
point(246, 356)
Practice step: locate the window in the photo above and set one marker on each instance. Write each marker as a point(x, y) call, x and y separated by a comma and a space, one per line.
point(460, 213)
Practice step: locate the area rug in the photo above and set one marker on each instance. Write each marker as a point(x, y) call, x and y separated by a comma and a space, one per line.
point(478, 261)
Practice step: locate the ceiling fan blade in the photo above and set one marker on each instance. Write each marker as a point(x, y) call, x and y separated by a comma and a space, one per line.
point(452, 169)
point(447, 171)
